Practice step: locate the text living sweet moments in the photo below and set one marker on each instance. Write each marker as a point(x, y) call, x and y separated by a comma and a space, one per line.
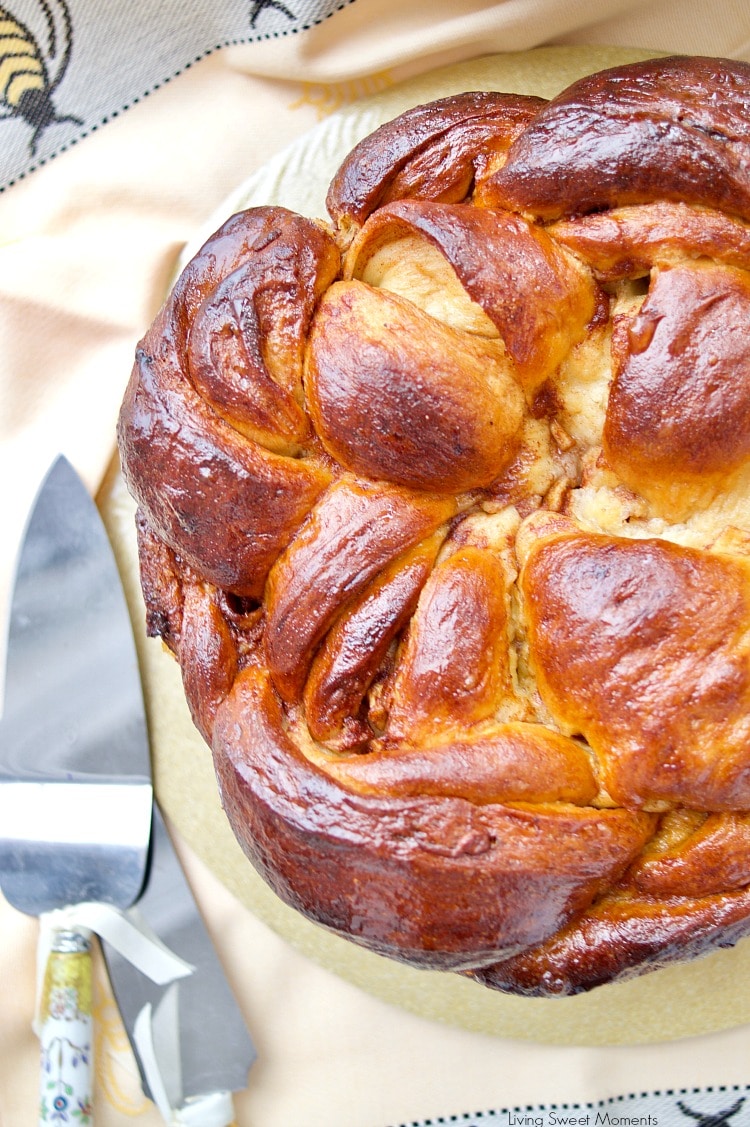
point(554, 1118)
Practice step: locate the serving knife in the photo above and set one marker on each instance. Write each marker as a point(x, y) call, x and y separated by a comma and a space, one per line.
point(190, 1040)
point(75, 784)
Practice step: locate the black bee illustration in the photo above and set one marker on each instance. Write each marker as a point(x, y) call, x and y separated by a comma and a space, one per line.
point(261, 5)
point(29, 74)
point(720, 1119)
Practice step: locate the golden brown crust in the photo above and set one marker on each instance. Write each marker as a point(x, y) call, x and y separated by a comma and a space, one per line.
point(247, 337)
point(495, 255)
point(513, 762)
point(455, 665)
point(447, 882)
point(678, 419)
point(230, 504)
point(208, 656)
point(627, 242)
point(616, 937)
point(432, 152)
point(643, 647)
point(365, 385)
point(445, 516)
point(673, 129)
point(353, 651)
point(714, 858)
point(350, 537)
point(161, 584)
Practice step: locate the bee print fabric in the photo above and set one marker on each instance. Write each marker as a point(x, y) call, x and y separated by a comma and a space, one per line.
point(67, 67)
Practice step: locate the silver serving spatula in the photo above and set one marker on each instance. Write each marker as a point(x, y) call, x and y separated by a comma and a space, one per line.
point(189, 1038)
point(75, 786)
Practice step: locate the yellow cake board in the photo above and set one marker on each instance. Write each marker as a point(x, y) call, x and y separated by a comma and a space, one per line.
point(704, 996)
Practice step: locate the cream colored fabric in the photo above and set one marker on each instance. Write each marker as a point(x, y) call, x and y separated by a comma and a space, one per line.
point(87, 244)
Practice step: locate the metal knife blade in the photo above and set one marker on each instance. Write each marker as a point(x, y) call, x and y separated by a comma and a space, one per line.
point(214, 1051)
point(75, 786)
point(75, 765)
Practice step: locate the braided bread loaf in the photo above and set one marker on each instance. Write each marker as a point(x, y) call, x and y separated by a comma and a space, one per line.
point(444, 508)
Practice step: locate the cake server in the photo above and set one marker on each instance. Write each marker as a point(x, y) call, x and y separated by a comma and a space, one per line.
point(75, 786)
point(189, 1039)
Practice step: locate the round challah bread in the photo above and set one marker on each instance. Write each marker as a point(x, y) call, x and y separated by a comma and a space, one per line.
point(444, 509)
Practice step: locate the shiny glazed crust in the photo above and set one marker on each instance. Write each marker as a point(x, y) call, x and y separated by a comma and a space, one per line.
point(443, 509)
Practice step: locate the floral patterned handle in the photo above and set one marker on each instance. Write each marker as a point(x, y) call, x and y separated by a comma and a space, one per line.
point(66, 1029)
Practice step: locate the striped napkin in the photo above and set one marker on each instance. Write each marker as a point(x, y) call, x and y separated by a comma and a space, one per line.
point(722, 1106)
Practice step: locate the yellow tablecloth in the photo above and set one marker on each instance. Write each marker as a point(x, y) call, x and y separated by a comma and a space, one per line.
point(88, 241)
